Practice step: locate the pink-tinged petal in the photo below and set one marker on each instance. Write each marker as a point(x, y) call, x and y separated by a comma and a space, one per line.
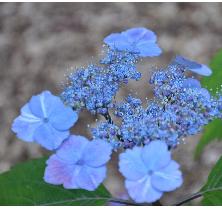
point(90, 178)
point(57, 172)
point(97, 153)
point(142, 191)
point(168, 178)
point(131, 164)
point(156, 155)
point(72, 149)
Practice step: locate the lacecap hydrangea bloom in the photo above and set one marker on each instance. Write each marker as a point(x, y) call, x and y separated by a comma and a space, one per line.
point(144, 133)
point(45, 120)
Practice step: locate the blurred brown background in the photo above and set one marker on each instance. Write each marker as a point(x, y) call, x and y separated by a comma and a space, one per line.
point(40, 42)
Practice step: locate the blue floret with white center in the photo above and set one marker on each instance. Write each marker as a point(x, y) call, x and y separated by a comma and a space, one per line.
point(78, 163)
point(45, 120)
point(149, 171)
point(140, 40)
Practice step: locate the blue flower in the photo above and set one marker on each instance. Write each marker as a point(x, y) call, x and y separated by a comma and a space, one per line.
point(140, 40)
point(45, 120)
point(193, 66)
point(78, 163)
point(149, 171)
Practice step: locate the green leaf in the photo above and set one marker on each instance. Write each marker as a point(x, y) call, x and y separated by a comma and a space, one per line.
point(213, 83)
point(211, 132)
point(212, 190)
point(24, 185)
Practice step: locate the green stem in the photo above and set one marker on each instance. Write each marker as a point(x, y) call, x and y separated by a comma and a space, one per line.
point(127, 202)
point(188, 199)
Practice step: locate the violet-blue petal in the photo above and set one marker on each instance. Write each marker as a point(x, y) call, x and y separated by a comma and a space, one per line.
point(191, 83)
point(205, 93)
point(148, 49)
point(204, 70)
point(37, 104)
point(187, 63)
point(142, 190)
point(72, 149)
point(49, 137)
point(62, 117)
point(140, 34)
point(168, 178)
point(156, 155)
point(97, 153)
point(90, 178)
point(117, 41)
point(193, 66)
point(25, 125)
point(131, 164)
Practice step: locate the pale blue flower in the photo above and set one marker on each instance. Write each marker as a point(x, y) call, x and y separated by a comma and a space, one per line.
point(44, 120)
point(139, 40)
point(78, 163)
point(149, 172)
point(193, 66)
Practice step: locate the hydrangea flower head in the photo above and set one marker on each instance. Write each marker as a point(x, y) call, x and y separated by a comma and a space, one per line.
point(78, 163)
point(193, 66)
point(149, 172)
point(140, 40)
point(45, 120)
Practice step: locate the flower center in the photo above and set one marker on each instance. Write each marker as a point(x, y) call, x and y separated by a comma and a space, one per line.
point(150, 172)
point(80, 162)
point(45, 120)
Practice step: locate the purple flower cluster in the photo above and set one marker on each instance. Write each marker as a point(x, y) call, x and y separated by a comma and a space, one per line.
point(146, 135)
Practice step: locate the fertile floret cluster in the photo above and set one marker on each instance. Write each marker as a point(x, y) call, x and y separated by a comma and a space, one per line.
point(180, 107)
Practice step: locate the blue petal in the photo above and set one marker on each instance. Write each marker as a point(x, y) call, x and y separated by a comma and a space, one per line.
point(49, 137)
point(142, 191)
point(205, 93)
point(57, 172)
point(168, 178)
point(140, 34)
point(90, 178)
point(187, 63)
point(117, 41)
point(97, 153)
point(191, 83)
point(62, 117)
point(193, 66)
point(131, 165)
point(203, 70)
point(72, 149)
point(148, 49)
point(156, 155)
point(26, 124)
point(37, 104)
